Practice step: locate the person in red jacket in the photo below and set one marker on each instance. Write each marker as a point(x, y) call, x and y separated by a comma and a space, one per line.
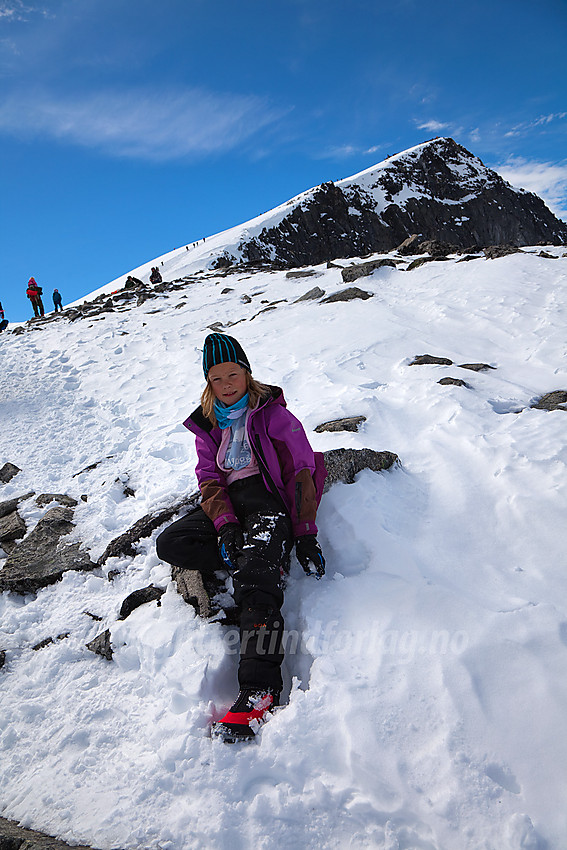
point(34, 293)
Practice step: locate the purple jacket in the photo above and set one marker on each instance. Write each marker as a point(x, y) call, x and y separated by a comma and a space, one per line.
point(289, 466)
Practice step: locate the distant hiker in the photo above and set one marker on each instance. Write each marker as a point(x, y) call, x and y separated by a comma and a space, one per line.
point(34, 293)
point(261, 483)
point(57, 300)
point(155, 276)
point(3, 321)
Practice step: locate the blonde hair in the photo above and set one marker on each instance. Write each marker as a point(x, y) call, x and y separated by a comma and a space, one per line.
point(256, 393)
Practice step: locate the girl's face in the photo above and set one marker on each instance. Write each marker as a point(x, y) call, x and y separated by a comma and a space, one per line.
point(228, 382)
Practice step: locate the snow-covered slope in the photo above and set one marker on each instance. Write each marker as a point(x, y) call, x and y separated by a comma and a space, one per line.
point(426, 672)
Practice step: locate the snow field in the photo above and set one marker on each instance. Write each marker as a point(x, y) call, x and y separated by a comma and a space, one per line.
point(425, 673)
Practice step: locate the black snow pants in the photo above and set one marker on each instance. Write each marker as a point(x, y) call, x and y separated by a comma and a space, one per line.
point(192, 543)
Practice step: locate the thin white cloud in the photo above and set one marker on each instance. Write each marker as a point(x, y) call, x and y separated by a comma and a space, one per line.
point(16, 10)
point(140, 124)
point(546, 179)
point(542, 121)
point(432, 126)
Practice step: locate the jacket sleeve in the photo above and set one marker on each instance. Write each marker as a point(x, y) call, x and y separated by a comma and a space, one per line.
point(212, 484)
point(297, 464)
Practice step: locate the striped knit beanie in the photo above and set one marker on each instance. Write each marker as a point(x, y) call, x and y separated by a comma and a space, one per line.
point(222, 348)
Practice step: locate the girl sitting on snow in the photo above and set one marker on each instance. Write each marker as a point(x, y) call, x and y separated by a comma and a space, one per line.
point(261, 484)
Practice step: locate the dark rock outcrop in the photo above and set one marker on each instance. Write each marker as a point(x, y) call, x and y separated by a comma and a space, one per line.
point(556, 400)
point(349, 423)
point(42, 557)
point(457, 382)
point(102, 645)
point(8, 471)
point(311, 295)
point(344, 464)
point(124, 544)
point(12, 527)
point(350, 294)
point(429, 359)
point(449, 196)
point(352, 273)
point(140, 597)
point(14, 837)
point(11, 504)
point(476, 367)
point(45, 498)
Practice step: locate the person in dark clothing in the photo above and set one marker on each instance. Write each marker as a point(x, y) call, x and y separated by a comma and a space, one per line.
point(57, 301)
point(3, 321)
point(155, 276)
point(34, 293)
point(261, 484)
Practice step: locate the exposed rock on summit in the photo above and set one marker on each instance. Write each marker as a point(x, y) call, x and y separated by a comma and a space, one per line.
point(438, 190)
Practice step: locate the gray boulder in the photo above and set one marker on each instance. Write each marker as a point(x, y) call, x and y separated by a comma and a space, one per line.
point(8, 471)
point(301, 273)
point(556, 400)
point(352, 273)
point(101, 645)
point(14, 837)
point(62, 498)
point(11, 504)
point(124, 544)
point(476, 367)
point(429, 359)
point(42, 557)
point(349, 423)
point(494, 252)
point(347, 295)
point(344, 464)
point(457, 382)
point(411, 245)
point(12, 527)
point(311, 295)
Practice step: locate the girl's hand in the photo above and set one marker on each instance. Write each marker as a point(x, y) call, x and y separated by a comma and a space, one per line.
point(310, 555)
point(231, 542)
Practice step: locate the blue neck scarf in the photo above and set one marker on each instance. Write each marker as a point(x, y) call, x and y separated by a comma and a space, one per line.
point(226, 414)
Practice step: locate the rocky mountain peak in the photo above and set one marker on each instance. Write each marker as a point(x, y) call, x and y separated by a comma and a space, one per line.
point(438, 190)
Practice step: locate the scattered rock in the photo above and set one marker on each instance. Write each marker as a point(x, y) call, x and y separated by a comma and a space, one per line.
point(101, 644)
point(11, 504)
point(301, 273)
point(476, 367)
point(344, 464)
point(556, 400)
point(12, 527)
point(8, 471)
point(123, 545)
point(457, 382)
point(49, 640)
point(349, 423)
point(438, 250)
point(190, 586)
point(2, 661)
point(140, 597)
point(62, 498)
point(352, 273)
point(548, 256)
point(493, 252)
point(427, 359)
point(312, 295)
point(246, 299)
point(415, 264)
point(410, 245)
point(226, 290)
point(14, 837)
point(42, 558)
point(468, 257)
point(347, 295)
point(92, 466)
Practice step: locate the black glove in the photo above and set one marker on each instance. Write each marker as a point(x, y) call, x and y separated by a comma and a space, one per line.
point(231, 541)
point(309, 553)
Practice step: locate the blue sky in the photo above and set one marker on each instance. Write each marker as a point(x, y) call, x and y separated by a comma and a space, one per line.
point(130, 127)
